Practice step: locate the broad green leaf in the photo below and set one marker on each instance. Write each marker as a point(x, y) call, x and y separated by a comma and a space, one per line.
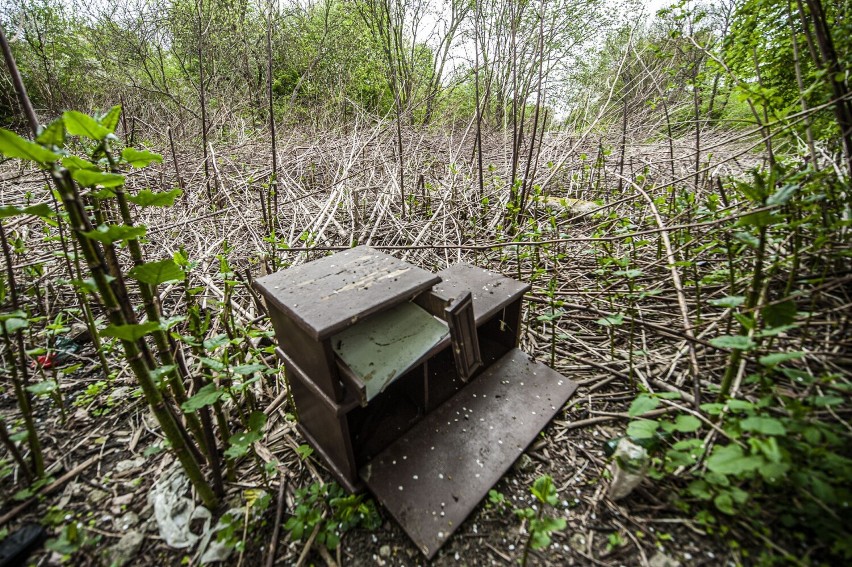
point(732, 342)
point(729, 301)
point(687, 423)
point(167, 323)
point(699, 489)
point(769, 447)
point(148, 198)
point(304, 451)
point(103, 193)
point(42, 388)
point(822, 490)
point(642, 428)
point(668, 395)
point(784, 194)
point(14, 324)
point(161, 371)
point(712, 408)
point(130, 332)
point(744, 320)
point(217, 341)
point(41, 210)
point(629, 274)
point(246, 369)
point(109, 234)
point(140, 158)
point(643, 404)
point(551, 315)
point(541, 528)
point(730, 459)
point(779, 357)
point(90, 178)
point(775, 331)
point(53, 134)
point(236, 450)
point(740, 405)
point(110, 119)
point(747, 239)
point(695, 445)
point(773, 472)
point(779, 314)
point(240, 442)
point(79, 124)
point(680, 458)
point(725, 503)
point(155, 273)
point(760, 219)
point(13, 146)
point(827, 401)
point(212, 363)
point(257, 420)
point(206, 396)
point(611, 320)
point(72, 163)
point(544, 490)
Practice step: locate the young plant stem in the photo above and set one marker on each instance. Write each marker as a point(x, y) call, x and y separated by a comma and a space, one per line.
point(751, 303)
point(273, 178)
point(25, 407)
point(21, 382)
point(203, 98)
point(136, 358)
point(174, 160)
point(13, 450)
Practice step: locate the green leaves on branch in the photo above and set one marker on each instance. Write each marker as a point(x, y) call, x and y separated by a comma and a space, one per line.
point(732, 460)
point(148, 198)
point(156, 273)
point(79, 124)
point(53, 134)
point(14, 321)
point(13, 146)
point(72, 163)
point(91, 178)
point(206, 396)
point(132, 332)
point(140, 158)
point(643, 404)
point(738, 342)
point(240, 442)
point(42, 210)
point(110, 119)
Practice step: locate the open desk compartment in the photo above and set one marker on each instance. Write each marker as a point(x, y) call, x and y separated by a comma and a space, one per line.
point(411, 382)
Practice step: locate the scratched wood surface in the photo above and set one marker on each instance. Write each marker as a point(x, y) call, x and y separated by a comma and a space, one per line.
point(432, 477)
point(335, 292)
point(491, 291)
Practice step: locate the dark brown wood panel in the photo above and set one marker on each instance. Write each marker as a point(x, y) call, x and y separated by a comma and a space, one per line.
point(433, 476)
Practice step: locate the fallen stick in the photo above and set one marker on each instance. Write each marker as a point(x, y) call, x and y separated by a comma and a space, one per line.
point(276, 530)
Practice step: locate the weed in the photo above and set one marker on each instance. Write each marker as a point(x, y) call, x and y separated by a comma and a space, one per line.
point(540, 526)
point(327, 510)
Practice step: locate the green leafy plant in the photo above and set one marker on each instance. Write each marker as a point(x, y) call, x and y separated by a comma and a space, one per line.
point(540, 526)
point(327, 510)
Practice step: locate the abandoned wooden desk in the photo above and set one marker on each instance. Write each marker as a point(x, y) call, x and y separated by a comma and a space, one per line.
point(409, 381)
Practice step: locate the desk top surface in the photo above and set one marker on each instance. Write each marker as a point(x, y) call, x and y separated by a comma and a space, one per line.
point(328, 295)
